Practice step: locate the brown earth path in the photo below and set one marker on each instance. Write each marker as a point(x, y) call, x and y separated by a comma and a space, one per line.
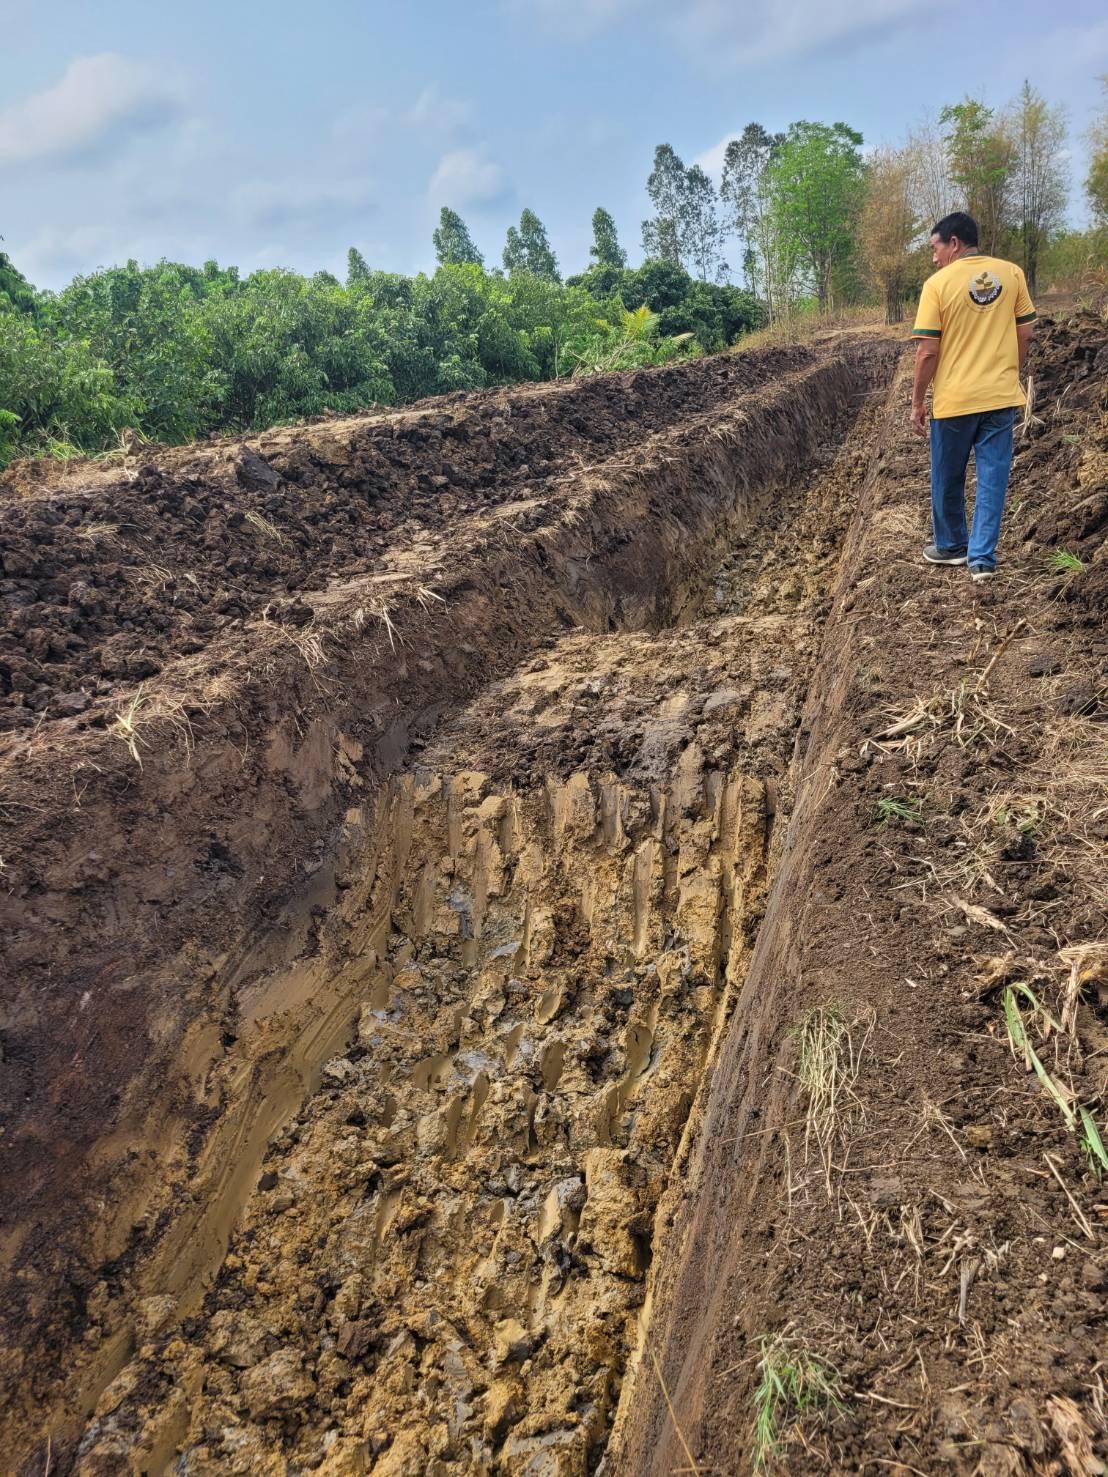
point(938, 1242)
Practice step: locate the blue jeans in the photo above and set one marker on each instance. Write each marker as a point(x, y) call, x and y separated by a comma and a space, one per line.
point(988, 435)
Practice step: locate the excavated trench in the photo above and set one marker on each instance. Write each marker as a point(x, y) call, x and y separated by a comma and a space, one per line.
point(432, 1105)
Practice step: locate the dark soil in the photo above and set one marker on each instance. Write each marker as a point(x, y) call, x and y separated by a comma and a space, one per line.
point(156, 879)
point(118, 570)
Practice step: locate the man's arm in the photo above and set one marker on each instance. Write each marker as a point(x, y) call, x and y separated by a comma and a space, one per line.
point(1025, 332)
point(927, 361)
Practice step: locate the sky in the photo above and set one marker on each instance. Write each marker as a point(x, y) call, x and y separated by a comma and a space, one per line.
point(282, 134)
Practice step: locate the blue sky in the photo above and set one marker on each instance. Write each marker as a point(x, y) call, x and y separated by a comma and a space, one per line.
point(281, 134)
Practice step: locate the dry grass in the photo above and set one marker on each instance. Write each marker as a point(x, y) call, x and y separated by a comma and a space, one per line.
point(138, 722)
point(829, 1051)
point(807, 327)
point(692, 1467)
point(264, 526)
point(964, 712)
point(425, 596)
point(305, 639)
point(1072, 775)
point(1061, 807)
point(93, 531)
point(157, 577)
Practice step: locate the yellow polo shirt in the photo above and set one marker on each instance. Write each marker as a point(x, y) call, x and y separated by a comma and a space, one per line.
point(973, 306)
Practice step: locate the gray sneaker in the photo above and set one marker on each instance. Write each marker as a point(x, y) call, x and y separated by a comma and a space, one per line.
point(934, 555)
point(979, 572)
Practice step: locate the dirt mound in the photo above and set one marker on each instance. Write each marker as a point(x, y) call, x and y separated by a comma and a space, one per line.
point(118, 570)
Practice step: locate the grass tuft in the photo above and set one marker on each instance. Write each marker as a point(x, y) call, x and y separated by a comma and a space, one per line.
point(263, 525)
point(891, 808)
point(828, 1062)
point(136, 722)
point(1061, 561)
point(792, 1382)
point(1018, 1038)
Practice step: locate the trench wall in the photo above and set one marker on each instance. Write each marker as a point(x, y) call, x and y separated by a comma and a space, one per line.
point(177, 974)
point(704, 1251)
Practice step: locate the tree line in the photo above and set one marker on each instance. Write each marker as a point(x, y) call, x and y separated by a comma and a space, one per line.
point(814, 218)
point(173, 352)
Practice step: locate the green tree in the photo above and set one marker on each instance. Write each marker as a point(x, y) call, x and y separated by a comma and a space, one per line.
point(934, 193)
point(702, 232)
point(285, 347)
point(1096, 180)
point(1041, 184)
point(54, 392)
point(605, 248)
point(666, 186)
point(769, 258)
point(631, 340)
point(148, 326)
point(745, 162)
point(982, 158)
point(527, 249)
point(357, 269)
point(686, 228)
point(816, 181)
point(890, 227)
point(453, 244)
point(15, 290)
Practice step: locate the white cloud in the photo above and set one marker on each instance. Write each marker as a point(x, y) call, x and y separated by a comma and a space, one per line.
point(576, 18)
point(722, 34)
point(434, 111)
point(726, 35)
point(1063, 62)
point(270, 204)
point(364, 123)
point(466, 177)
point(56, 253)
point(433, 114)
point(98, 100)
point(711, 161)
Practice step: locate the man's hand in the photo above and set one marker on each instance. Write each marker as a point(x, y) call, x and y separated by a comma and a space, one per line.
point(927, 361)
point(1025, 332)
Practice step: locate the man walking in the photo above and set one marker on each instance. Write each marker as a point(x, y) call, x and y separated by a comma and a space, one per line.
point(973, 330)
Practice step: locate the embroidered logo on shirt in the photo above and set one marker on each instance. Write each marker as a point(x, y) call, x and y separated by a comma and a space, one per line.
point(984, 289)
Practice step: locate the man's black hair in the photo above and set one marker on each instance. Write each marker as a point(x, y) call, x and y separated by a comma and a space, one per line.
point(959, 224)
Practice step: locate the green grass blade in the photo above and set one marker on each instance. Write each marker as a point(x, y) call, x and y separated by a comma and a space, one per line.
point(1094, 1144)
point(1052, 1087)
point(1019, 1038)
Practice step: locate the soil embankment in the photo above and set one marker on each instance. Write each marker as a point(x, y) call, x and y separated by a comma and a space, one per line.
point(201, 867)
point(407, 959)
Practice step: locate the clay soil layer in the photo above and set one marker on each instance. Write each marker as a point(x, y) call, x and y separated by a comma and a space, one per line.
point(437, 847)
